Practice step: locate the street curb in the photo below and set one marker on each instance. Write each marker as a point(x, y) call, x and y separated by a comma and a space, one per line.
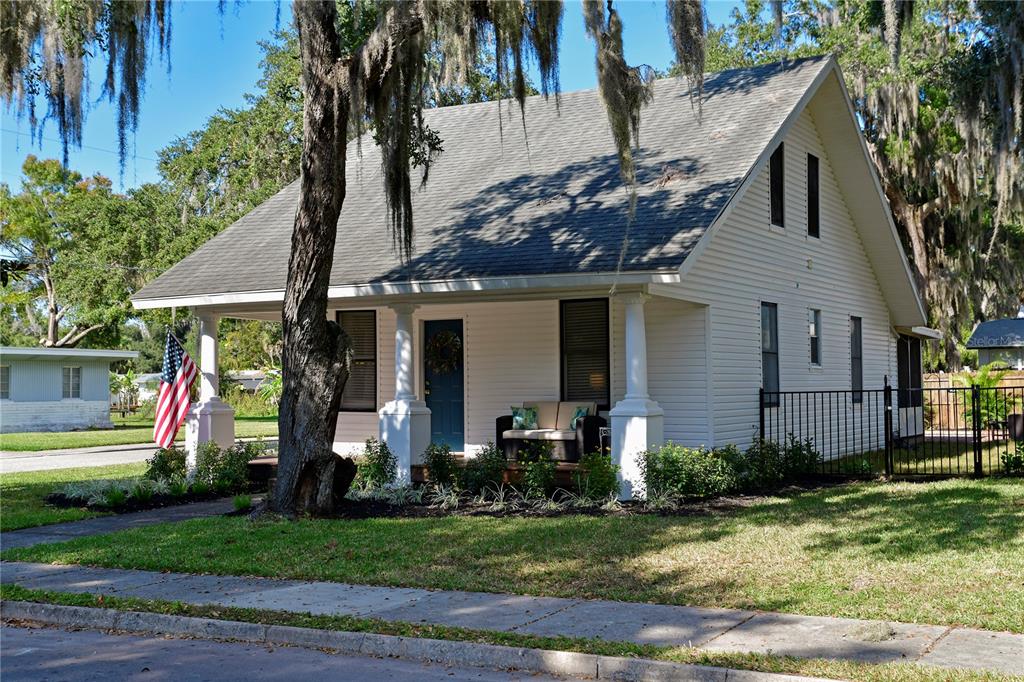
point(466, 654)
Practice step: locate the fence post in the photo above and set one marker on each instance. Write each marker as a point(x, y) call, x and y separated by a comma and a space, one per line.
point(760, 406)
point(888, 427)
point(976, 428)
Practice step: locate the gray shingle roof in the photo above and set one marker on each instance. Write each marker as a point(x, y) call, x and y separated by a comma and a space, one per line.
point(1005, 333)
point(547, 202)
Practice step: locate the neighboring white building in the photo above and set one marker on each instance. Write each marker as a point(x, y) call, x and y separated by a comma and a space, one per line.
point(56, 389)
point(762, 253)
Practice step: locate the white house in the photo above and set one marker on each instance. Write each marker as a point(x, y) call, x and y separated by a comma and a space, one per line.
point(56, 389)
point(761, 253)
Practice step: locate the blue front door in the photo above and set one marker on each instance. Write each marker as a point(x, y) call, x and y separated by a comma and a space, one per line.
point(443, 356)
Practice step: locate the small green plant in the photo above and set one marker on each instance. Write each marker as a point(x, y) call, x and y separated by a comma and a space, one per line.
point(141, 492)
point(115, 497)
point(597, 478)
point(441, 465)
point(1013, 462)
point(177, 487)
point(227, 470)
point(485, 470)
point(856, 466)
point(378, 467)
point(538, 469)
point(444, 497)
point(166, 463)
point(201, 488)
point(242, 502)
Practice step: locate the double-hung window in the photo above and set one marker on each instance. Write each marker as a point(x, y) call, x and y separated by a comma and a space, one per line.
point(814, 335)
point(770, 353)
point(360, 394)
point(71, 385)
point(856, 359)
point(585, 356)
point(5, 382)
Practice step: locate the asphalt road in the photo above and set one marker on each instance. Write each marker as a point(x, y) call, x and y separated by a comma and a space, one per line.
point(47, 460)
point(49, 655)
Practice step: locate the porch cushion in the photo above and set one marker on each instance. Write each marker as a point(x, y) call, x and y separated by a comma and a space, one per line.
point(567, 410)
point(547, 413)
point(539, 434)
point(524, 417)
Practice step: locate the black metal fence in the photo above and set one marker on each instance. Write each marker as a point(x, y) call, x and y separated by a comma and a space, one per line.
point(948, 431)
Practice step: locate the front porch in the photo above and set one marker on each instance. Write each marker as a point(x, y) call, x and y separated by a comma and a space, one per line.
point(641, 359)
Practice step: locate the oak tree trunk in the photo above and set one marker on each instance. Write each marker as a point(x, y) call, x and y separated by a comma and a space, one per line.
point(313, 359)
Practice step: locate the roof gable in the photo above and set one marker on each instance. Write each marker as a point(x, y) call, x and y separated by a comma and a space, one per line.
point(547, 200)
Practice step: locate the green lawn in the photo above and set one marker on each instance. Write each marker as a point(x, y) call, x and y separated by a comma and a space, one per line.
point(947, 552)
point(21, 495)
point(932, 457)
point(126, 431)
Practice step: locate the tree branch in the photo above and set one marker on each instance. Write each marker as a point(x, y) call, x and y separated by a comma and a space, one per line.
point(75, 335)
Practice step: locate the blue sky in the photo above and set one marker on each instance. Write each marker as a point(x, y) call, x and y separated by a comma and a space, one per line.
point(215, 60)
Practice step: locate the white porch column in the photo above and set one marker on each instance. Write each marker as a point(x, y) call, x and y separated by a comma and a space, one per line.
point(405, 421)
point(210, 419)
point(637, 421)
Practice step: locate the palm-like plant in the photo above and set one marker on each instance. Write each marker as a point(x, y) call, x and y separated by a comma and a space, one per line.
point(994, 405)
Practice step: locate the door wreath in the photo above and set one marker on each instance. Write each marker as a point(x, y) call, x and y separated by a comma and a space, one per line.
point(443, 352)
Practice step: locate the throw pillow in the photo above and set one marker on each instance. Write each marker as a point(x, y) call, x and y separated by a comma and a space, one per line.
point(579, 414)
point(524, 417)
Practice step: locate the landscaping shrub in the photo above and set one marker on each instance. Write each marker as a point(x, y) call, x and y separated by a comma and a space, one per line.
point(1013, 462)
point(377, 467)
point(242, 502)
point(485, 470)
point(675, 471)
point(177, 487)
point(440, 465)
point(597, 478)
point(227, 470)
point(166, 463)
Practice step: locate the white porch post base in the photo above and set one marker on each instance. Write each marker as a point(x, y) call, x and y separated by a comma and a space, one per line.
point(637, 424)
point(405, 427)
point(208, 420)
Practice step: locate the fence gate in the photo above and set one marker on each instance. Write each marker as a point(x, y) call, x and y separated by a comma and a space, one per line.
point(929, 431)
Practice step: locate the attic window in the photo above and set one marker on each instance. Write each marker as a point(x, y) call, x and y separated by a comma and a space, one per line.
point(776, 178)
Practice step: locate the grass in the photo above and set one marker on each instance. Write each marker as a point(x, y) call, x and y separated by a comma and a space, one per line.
point(932, 457)
point(21, 494)
point(948, 552)
point(134, 429)
point(889, 672)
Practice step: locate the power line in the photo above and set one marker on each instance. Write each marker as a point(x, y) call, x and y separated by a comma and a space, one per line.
point(84, 146)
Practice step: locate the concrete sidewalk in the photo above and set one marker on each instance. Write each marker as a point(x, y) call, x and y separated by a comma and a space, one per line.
point(100, 455)
point(710, 629)
point(60, 532)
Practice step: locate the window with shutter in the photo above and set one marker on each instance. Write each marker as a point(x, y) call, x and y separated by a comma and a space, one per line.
point(770, 353)
point(776, 178)
point(813, 210)
point(360, 394)
point(856, 359)
point(585, 356)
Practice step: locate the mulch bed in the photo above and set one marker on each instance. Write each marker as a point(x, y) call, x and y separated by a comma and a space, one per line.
point(131, 505)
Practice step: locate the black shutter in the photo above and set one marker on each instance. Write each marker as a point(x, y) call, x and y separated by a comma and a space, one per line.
point(360, 394)
point(813, 210)
point(585, 357)
point(777, 177)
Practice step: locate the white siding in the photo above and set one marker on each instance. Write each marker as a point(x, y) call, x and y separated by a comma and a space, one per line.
point(746, 263)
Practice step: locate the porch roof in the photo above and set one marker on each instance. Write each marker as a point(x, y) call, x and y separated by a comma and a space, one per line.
point(532, 200)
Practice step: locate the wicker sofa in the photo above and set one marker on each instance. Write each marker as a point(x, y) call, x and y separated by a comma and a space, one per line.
point(553, 426)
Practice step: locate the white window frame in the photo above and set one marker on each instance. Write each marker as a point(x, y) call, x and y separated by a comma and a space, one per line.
point(69, 394)
point(814, 334)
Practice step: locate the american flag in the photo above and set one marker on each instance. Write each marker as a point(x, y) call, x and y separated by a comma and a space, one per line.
point(172, 401)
